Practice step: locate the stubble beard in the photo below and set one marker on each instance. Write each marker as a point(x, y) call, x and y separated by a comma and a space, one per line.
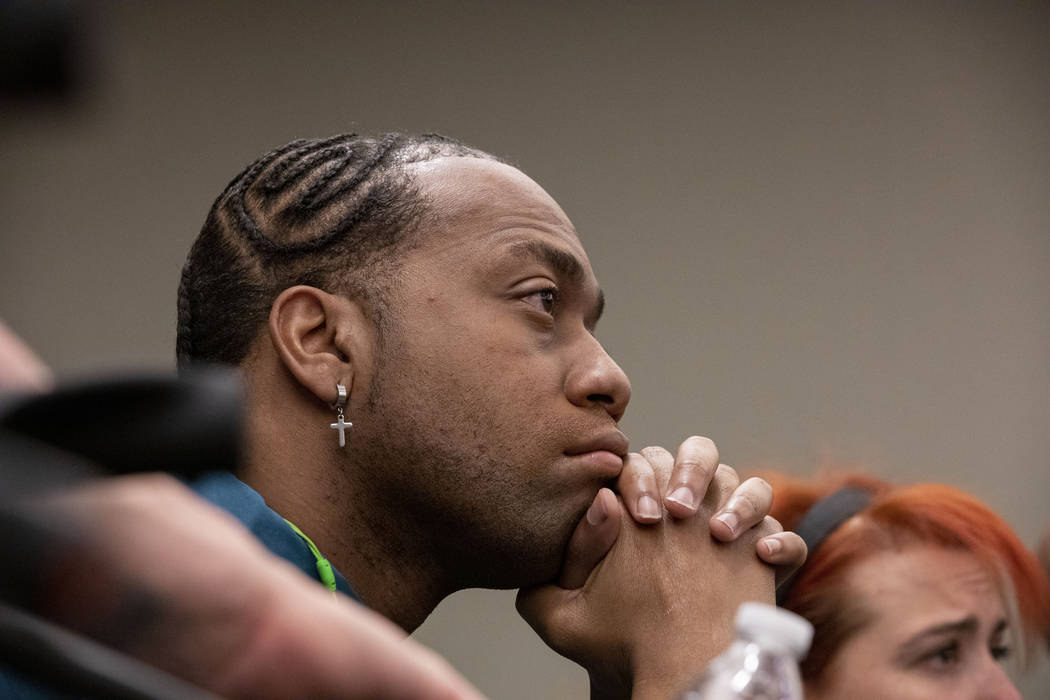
point(442, 492)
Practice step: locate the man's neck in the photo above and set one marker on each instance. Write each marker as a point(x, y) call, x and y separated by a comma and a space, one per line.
point(387, 564)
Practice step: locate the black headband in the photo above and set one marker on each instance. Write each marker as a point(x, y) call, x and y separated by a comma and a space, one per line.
point(821, 520)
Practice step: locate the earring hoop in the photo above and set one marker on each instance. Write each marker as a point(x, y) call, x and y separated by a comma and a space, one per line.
point(340, 403)
point(341, 396)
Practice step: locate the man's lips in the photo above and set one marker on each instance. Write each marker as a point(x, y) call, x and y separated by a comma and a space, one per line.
point(603, 452)
point(613, 441)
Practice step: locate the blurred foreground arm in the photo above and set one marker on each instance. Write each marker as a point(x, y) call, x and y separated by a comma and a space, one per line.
point(143, 565)
point(20, 368)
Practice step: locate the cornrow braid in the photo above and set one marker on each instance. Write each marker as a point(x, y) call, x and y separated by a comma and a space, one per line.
point(350, 183)
point(299, 160)
point(184, 350)
point(184, 326)
point(332, 213)
point(307, 200)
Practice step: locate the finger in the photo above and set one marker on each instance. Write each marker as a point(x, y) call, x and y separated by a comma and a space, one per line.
point(723, 484)
point(786, 551)
point(637, 486)
point(746, 507)
point(662, 463)
point(694, 467)
point(591, 540)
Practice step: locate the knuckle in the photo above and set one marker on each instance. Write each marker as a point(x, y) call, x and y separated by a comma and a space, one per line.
point(702, 442)
point(698, 454)
point(659, 463)
point(759, 497)
point(655, 453)
point(697, 462)
point(724, 471)
point(703, 445)
point(637, 476)
point(692, 465)
point(634, 462)
point(726, 484)
point(770, 526)
point(744, 506)
point(761, 484)
point(642, 483)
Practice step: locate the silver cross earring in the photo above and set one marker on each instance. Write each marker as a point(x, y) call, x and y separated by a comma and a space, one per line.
point(339, 405)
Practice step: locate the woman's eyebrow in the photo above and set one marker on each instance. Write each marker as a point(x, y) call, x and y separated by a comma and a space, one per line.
point(967, 625)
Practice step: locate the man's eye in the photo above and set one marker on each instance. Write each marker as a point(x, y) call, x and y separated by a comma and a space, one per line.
point(546, 299)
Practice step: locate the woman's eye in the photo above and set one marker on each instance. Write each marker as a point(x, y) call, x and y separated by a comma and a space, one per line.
point(944, 656)
point(1001, 652)
point(546, 299)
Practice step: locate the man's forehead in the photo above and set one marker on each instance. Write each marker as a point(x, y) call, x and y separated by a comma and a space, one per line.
point(488, 209)
point(475, 188)
point(472, 198)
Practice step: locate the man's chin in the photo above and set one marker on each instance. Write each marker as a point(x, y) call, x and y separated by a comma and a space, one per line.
point(543, 564)
point(534, 555)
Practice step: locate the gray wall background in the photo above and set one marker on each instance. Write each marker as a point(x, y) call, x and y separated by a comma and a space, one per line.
point(823, 228)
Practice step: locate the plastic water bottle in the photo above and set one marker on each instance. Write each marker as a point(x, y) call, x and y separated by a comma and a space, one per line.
point(762, 662)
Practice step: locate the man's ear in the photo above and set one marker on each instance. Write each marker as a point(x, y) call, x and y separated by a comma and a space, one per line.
point(321, 338)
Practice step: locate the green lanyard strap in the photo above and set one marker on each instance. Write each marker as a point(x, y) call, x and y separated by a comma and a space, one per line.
point(324, 569)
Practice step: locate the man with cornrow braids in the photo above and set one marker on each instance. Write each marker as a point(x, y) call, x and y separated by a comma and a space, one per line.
point(429, 409)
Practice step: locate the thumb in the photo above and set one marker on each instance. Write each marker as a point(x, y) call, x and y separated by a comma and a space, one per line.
point(593, 537)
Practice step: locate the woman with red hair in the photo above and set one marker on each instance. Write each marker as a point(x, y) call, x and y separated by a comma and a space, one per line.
point(913, 592)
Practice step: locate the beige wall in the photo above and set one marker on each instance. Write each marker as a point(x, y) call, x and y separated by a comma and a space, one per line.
point(823, 230)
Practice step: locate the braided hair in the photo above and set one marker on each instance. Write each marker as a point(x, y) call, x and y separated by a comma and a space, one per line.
point(331, 213)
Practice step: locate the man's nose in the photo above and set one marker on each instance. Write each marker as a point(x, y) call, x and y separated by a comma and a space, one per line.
point(595, 378)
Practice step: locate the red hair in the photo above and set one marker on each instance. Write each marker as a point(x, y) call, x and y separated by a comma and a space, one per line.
point(930, 514)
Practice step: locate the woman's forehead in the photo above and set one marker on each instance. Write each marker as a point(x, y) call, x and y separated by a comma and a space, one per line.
point(923, 582)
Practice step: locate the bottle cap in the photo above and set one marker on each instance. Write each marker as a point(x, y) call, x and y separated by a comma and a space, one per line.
point(763, 622)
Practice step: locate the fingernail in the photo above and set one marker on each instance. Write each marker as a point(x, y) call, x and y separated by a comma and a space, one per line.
point(683, 496)
point(596, 513)
point(648, 507)
point(773, 545)
point(730, 520)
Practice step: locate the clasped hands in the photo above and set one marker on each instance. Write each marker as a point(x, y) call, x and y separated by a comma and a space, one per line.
point(644, 602)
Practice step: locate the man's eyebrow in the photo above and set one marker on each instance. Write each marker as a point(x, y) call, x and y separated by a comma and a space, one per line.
point(565, 264)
